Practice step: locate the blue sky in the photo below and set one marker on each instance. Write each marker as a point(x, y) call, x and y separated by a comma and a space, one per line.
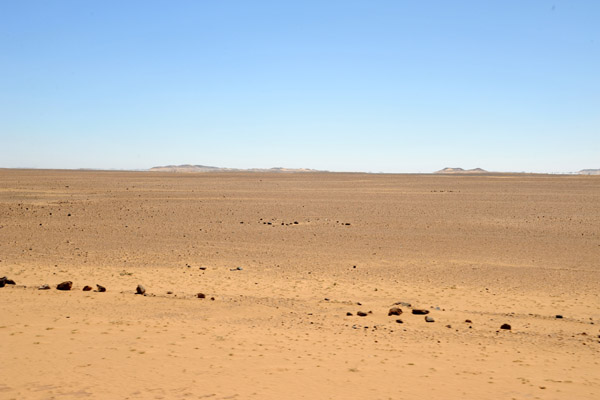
point(378, 86)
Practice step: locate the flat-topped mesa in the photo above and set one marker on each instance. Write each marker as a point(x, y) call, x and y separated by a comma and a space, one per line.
point(589, 172)
point(449, 170)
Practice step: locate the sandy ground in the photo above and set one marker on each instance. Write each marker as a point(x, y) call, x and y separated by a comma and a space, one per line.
point(493, 249)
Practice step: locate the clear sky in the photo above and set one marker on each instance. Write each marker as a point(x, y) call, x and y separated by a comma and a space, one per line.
point(390, 86)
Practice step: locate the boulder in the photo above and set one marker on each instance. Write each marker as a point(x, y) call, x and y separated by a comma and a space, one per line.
point(394, 311)
point(140, 290)
point(66, 285)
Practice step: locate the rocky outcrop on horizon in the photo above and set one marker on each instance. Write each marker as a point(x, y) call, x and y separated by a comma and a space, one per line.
point(589, 172)
point(205, 168)
point(449, 170)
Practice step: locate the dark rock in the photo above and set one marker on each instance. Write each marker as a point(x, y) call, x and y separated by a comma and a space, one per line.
point(399, 321)
point(429, 319)
point(202, 268)
point(170, 292)
point(212, 298)
point(418, 311)
point(5, 281)
point(67, 285)
point(449, 326)
point(201, 295)
point(506, 327)
point(44, 287)
point(295, 222)
point(394, 311)
point(140, 290)
point(87, 288)
point(468, 321)
point(100, 288)
point(559, 316)
point(361, 314)
point(348, 314)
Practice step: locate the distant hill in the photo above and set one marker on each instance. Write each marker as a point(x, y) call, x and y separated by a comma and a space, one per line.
point(589, 172)
point(205, 168)
point(461, 171)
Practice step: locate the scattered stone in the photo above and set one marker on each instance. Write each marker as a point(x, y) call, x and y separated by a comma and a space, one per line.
point(295, 222)
point(326, 299)
point(100, 288)
point(361, 314)
point(449, 326)
point(87, 288)
point(170, 292)
point(417, 311)
point(212, 298)
point(506, 327)
point(399, 321)
point(140, 290)
point(468, 321)
point(394, 311)
point(44, 287)
point(67, 285)
point(558, 316)
point(236, 269)
point(355, 326)
point(348, 314)
point(202, 268)
point(402, 303)
point(201, 295)
point(429, 319)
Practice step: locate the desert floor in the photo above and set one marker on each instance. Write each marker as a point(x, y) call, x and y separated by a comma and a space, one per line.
point(492, 249)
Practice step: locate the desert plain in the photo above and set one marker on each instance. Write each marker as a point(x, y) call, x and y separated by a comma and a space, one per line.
point(282, 259)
